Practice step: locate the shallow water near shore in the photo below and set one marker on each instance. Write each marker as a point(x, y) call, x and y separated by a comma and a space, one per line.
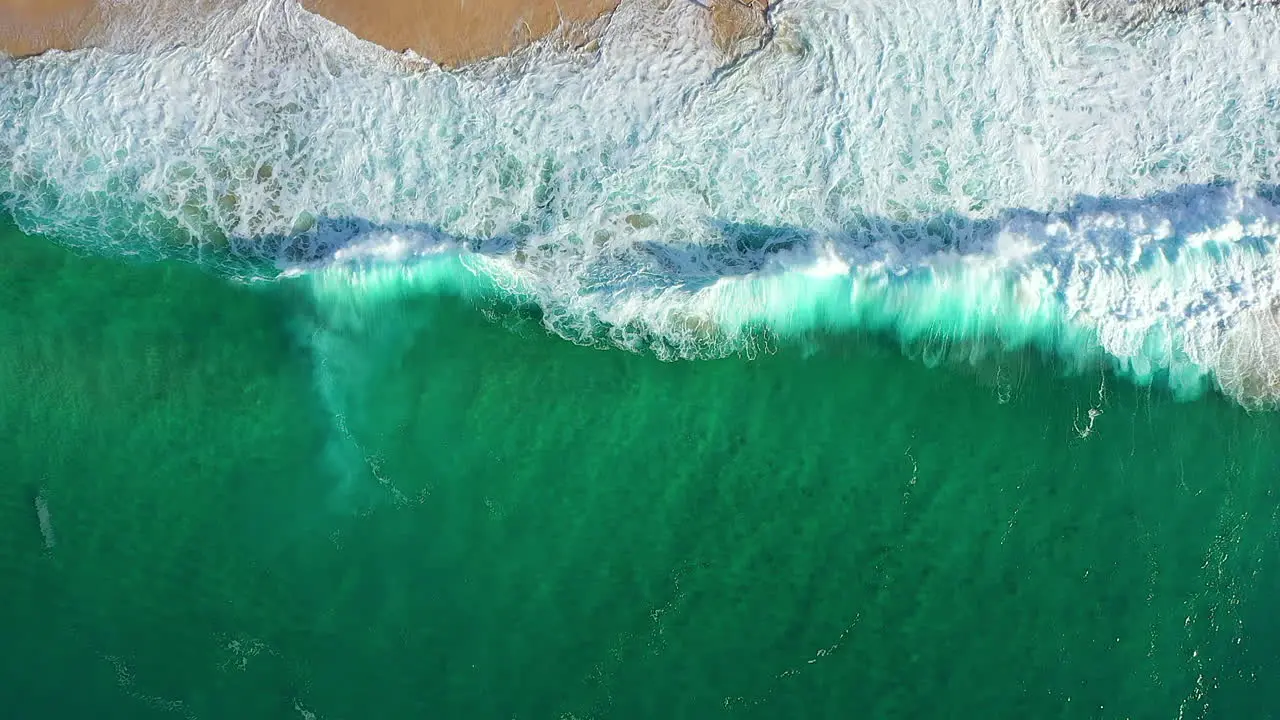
point(1055, 187)
point(614, 381)
point(264, 510)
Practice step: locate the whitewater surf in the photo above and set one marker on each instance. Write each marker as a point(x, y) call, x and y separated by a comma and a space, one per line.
point(997, 175)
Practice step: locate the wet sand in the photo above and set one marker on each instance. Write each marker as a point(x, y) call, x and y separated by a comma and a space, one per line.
point(33, 26)
point(449, 32)
point(453, 32)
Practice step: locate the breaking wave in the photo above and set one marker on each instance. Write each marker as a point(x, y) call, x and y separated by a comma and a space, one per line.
point(981, 174)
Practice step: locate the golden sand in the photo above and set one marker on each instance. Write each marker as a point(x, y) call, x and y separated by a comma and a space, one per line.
point(33, 26)
point(449, 32)
point(452, 32)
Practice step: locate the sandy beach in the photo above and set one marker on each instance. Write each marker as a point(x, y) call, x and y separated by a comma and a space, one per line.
point(450, 32)
point(454, 32)
point(28, 27)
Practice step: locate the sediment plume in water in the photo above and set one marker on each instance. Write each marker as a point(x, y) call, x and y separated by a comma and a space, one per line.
point(45, 519)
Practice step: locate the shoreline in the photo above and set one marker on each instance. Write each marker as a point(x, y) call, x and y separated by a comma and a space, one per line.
point(31, 27)
point(458, 32)
point(450, 33)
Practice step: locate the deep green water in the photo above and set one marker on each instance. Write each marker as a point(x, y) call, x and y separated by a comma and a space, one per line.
point(434, 510)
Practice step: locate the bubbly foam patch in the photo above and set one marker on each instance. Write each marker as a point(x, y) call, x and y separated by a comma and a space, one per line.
point(1129, 15)
point(963, 168)
point(1176, 287)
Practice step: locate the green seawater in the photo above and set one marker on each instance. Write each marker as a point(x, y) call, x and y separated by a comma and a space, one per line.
point(427, 507)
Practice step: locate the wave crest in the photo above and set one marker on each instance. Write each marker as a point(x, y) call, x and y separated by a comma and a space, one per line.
point(1047, 187)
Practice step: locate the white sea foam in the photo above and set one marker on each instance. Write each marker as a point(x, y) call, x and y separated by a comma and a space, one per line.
point(962, 168)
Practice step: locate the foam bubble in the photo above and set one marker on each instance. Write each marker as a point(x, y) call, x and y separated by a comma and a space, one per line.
point(925, 167)
point(1174, 287)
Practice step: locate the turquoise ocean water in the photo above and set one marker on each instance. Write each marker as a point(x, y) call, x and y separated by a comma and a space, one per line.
point(336, 386)
point(513, 526)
